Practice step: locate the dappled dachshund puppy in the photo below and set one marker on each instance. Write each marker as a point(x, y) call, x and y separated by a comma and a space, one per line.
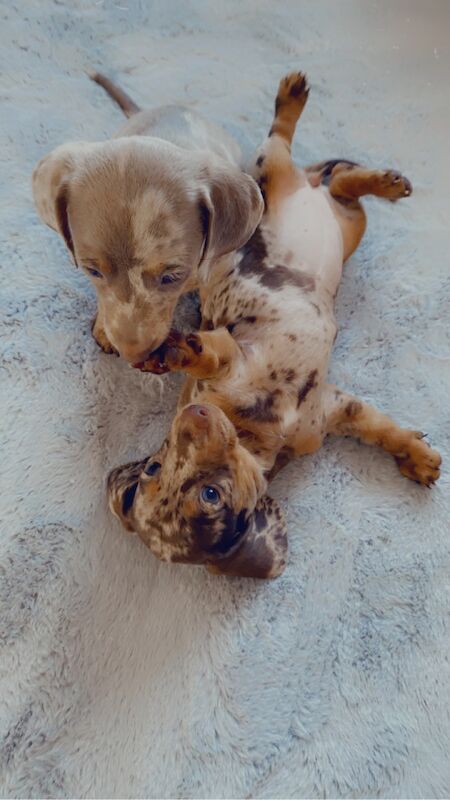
point(139, 213)
point(257, 392)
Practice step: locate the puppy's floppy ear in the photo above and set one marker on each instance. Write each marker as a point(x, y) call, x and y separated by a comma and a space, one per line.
point(51, 186)
point(231, 206)
point(262, 551)
point(122, 486)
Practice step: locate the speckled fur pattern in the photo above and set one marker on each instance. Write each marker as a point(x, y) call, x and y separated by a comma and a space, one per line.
point(141, 212)
point(258, 387)
point(125, 677)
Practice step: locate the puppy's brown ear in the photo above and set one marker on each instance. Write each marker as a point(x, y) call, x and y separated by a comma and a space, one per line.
point(51, 185)
point(262, 551)
point(231, 206)
point(122, 486)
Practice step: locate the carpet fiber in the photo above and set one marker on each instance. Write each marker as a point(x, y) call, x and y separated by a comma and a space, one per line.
point(124, 677)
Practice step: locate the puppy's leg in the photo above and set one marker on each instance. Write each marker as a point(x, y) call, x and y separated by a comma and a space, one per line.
point(98, 332)
point(348, 416)
point(206, 354)
point(350, 182)
point(274, 170)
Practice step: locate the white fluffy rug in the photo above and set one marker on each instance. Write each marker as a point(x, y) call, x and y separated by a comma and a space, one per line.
point(123, 677)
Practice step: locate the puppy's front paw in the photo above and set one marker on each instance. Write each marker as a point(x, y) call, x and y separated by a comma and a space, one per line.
point(394, 185)
point(183, 352)
point(177, 352)
point(419, 462)
point(101, 338)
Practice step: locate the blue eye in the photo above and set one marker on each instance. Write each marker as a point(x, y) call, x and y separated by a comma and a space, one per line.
point(209, 494)
point(152, 468)
point(94, 272)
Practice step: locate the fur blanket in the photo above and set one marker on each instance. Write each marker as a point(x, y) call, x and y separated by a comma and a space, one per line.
point(124, 677)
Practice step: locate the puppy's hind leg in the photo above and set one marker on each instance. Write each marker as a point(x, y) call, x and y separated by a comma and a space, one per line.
point(348, 416)
point(274, 170)
point(349, 182)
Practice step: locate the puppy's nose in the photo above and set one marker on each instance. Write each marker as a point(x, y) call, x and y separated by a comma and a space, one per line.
point(197, 415)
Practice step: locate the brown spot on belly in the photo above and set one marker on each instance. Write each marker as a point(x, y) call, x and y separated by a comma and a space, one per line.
point(277, 277)
point(306, 387)
point(290, 375)
point(262, 409)
point(253, 263)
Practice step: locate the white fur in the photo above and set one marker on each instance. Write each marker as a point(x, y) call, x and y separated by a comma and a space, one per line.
point(125, 677)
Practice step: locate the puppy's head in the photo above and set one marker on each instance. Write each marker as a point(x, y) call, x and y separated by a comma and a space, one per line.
point(200, 500)
point(139, 215)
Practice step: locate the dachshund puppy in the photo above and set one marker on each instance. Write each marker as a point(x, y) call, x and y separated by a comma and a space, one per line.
point(257, 392)
point(141, 212)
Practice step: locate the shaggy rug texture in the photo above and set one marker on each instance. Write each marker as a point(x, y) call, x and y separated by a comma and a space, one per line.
point(124, 677)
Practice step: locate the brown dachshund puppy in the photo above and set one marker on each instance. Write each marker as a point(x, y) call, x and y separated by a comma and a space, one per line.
point(141, 212)
point(257, 394)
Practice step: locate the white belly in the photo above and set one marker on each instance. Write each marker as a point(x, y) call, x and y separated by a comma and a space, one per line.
point(306, 226)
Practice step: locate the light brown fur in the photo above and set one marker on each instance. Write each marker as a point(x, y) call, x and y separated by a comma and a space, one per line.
point(257, 392)
point(145, 210)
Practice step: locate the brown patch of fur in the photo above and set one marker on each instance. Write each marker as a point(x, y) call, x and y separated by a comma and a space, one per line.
point(253, 263)
point(262, 408)
point(306, 387)
point(353, 408)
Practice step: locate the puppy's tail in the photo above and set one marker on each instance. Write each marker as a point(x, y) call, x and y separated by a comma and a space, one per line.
point(125, 102)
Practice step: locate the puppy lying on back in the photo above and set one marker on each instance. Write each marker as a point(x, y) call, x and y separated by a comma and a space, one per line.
point(257, 394)
point(141, 212)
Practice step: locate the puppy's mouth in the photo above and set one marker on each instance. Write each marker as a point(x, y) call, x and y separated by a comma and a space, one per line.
point(154, 362)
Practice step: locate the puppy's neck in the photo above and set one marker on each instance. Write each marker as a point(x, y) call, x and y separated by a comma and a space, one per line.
point(210, 273)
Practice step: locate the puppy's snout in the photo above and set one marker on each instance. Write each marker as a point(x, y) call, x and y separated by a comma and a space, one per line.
point(135, 356)
point(196, 415)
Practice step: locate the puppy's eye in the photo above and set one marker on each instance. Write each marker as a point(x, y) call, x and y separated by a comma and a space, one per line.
point(172, 275)
point(209, 494)
point(152, 468)
point(94, 272)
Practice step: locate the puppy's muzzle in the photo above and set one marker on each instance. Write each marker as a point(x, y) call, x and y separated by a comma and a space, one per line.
point(196, 416)
point(205, 424)
point(122, 487)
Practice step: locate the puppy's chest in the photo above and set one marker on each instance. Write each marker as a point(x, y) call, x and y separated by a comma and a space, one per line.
point(263, 284)
point(285, 327)
point(271, 404)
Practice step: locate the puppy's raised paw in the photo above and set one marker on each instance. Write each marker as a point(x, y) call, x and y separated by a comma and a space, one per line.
point(293, 89)
point(394, 185)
